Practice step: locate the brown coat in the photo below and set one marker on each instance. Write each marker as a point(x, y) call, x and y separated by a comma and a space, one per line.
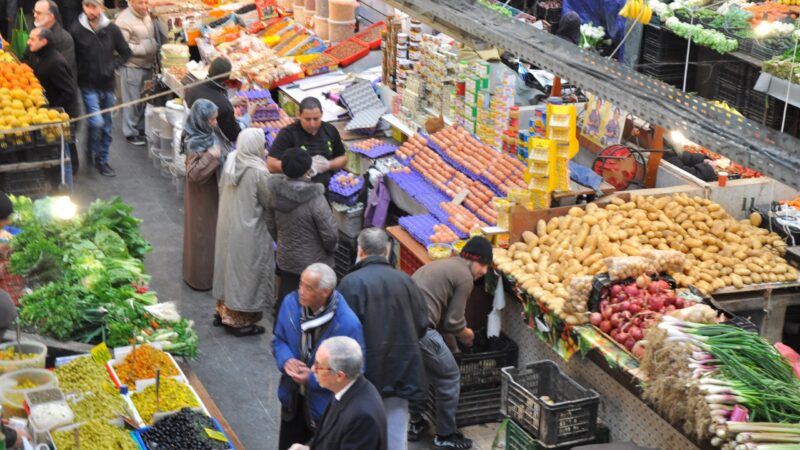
point(200, 204)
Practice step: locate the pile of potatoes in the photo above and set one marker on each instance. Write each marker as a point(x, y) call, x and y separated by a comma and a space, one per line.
point(720, 251)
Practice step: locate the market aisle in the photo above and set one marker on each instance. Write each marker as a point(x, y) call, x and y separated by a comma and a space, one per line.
point(239, 373)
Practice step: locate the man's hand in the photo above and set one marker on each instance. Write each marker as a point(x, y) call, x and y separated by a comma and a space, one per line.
point(239, 101)
point(320, 164)
point(466, 336)
point(297, 370)
point(299, 447)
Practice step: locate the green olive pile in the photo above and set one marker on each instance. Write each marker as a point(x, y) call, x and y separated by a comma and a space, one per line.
point(83, 375)
point(184, 430)
point(95, 434)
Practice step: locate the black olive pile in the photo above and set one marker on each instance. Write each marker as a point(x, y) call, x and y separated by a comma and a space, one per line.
point(184, 430)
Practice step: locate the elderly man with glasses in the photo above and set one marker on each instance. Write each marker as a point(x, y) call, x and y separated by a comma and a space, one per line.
point(355, 419)
point(307, 317)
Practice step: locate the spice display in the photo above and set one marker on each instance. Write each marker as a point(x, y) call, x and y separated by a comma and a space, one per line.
point(10, 354)
point(97, 405)
point(320, 62)
point(141, 364)
point(183, 430)
point(345, 50)
point(83, 375)
point(173, 394)
point(97, 432)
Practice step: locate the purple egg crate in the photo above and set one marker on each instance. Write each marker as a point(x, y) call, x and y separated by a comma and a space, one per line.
point(266, 108)
point(375, 151)
point(420, 190)
point(471, 175)
point(348, 191)
point(270, 134)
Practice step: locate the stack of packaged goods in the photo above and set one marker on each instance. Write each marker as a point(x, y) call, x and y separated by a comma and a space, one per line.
point(561, 128)
point(438, 68)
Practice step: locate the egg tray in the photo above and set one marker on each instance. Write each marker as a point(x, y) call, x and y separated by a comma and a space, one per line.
point(270, 134)
point(470, 174)
point(360, 97)
point(421, 227)
point(376, 151)
point(423, 192)
point(366, 119)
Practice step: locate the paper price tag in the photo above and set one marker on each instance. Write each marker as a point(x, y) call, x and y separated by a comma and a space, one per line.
point(216, 435)
point(100, 353)
point(459, 198)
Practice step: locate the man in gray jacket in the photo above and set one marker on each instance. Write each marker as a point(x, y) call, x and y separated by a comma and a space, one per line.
point(299, 220)
point(139, 31)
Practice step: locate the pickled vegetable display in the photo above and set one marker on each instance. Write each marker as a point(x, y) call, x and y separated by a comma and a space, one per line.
point(97, 405)
point(83, 375)
point(141, 364)
point(97, 432)
point(183, 430)
point(10, 354)
point(174, 395)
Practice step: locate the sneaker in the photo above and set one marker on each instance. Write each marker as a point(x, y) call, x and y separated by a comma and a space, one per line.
point(106, 170)
point(416, 428)
point(138, 141)
point(455, 441)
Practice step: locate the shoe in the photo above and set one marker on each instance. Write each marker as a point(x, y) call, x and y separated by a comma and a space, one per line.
point(251, 330)
point(416, 428)
point(455, 441)
point(105, 170)
point(138, 141)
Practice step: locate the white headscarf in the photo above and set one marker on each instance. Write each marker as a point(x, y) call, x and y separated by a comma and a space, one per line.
point(250, 153)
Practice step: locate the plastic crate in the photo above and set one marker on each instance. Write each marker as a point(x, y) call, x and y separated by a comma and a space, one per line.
point(569, 419)
point(518, 439)
point(364, 51)
point(32, 183)
point(480, 365)
point(345, 255)
point(474, 408)
point(363, 39)
point(408, 262)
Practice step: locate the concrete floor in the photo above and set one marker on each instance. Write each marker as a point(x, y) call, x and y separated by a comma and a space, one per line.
point(239, 373)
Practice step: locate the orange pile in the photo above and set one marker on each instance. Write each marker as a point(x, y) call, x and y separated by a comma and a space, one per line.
point(14, 75)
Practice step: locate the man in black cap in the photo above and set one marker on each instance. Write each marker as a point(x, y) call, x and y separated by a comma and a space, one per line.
point(214, 91)
point(446, 285)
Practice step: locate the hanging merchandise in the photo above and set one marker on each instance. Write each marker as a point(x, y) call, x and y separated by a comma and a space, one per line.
point(19, 36)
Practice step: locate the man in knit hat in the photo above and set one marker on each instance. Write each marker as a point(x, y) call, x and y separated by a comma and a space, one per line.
point(214, 90)
point(446, 285)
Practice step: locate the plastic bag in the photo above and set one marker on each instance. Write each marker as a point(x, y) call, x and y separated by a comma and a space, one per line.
point(669, 261)
point(620, 268)
point(19, 36)
point(580, 288)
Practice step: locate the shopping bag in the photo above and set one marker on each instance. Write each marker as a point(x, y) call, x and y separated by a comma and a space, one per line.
point(19, 36)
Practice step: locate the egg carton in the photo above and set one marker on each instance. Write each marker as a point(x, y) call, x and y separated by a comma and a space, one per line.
point(419, 227)
point(376, 151)
point(360, 97)
point(270, 134)
point(366, 119)
point(423, 192)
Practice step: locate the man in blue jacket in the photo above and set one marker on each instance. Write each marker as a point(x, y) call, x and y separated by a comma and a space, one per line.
point(307, 317)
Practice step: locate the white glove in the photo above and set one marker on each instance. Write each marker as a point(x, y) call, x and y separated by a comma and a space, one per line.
point(319, 164)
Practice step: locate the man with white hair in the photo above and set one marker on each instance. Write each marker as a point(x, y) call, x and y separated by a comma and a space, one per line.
point(307, 317)
point(375, 290)
point(355, 419)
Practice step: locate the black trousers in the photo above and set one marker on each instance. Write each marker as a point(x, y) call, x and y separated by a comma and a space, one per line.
point(295, 431)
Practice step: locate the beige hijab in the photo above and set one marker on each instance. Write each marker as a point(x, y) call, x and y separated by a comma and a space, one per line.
point(250, 153)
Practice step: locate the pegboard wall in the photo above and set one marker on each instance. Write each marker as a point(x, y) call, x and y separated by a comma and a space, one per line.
point(628, 418)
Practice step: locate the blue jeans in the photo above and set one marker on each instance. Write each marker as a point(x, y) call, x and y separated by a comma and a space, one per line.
point(100, 128)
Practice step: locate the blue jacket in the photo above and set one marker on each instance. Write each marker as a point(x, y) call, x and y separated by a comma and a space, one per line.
point(286, 345)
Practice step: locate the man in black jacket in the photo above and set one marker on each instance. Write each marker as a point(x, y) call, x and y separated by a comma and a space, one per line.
point(52, 70)
point(100, 48)
point(354, 419)
point(393, 312)
point(45, 15)
point(214, 91)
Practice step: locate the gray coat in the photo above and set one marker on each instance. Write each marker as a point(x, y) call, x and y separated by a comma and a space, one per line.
point(301, 222)
point(244, 264)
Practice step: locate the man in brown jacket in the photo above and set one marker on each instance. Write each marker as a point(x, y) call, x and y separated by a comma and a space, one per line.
point(446, 285)
point(139, 31)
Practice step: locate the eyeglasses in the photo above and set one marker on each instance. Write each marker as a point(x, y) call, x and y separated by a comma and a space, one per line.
point(315, 368)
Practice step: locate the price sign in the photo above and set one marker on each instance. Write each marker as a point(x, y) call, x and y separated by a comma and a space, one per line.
point(216, 435)
point(100, 353)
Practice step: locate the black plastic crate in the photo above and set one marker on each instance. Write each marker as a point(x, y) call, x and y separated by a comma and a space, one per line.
point(480, 365)
point(568, 418)
point(34, 183)
point(518, 439)
point(45, 152)
point(474, 408)
point(345, 255)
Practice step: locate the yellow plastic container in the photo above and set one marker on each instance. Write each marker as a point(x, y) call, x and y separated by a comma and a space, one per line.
point(440, 251)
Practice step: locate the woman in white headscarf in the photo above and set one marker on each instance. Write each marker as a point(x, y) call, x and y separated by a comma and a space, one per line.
point(244, 272)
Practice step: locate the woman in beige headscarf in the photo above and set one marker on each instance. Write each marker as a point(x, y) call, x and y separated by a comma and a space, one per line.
point(244, 272)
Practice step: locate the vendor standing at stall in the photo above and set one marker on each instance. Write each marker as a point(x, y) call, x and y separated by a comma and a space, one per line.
point(319, 139)
point(446, 285)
